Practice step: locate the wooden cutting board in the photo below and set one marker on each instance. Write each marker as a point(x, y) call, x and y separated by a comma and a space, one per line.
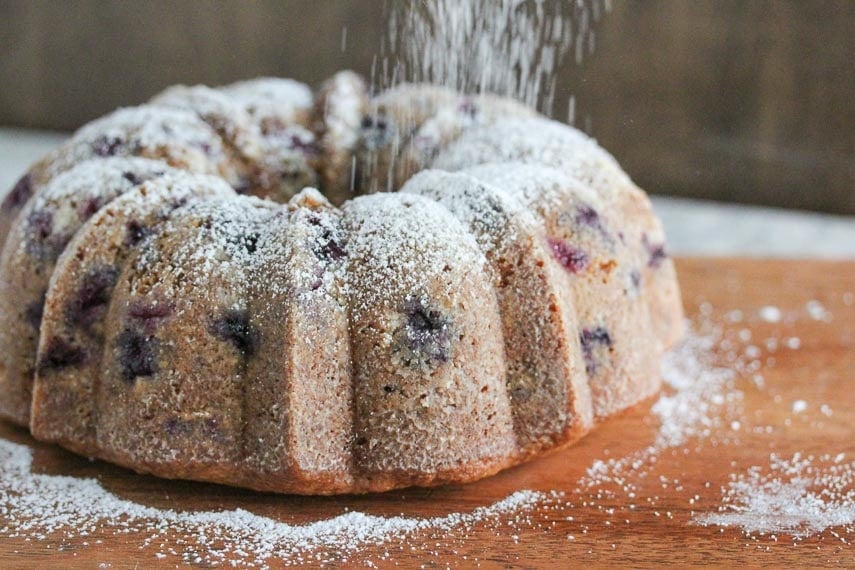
point(650, 528)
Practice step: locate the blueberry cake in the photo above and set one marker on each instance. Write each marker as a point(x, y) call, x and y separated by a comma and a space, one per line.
point(328, 292)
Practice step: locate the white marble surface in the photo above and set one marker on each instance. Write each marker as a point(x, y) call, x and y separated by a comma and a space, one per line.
point(694, 227)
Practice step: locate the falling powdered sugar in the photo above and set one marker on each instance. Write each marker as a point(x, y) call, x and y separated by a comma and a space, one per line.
point(508, 47)
point(799, 496)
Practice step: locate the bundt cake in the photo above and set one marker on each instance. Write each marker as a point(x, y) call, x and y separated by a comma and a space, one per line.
point(469, 286)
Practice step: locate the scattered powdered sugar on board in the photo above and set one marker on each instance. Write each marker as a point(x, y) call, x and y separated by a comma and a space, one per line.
point(699, 399)
point(770, 314)
point(799, 496)
point(38, 506)
point(704, 395)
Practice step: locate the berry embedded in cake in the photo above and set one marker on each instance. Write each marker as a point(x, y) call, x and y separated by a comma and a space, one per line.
point(328, 292)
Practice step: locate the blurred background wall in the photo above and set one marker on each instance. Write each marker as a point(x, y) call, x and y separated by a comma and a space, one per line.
point(737, 100)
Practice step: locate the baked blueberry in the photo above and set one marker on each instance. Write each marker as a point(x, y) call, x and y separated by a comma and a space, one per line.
point(41, 224)
point(148, 314)
point(304, 145)
point(594, 340)
point(137, 354)
point(424, 340)
point(655, 251)
point(326, 246)
point(106, 146)
point(148, 311)
point(377, 131)
point(132, 178)
point(136, 232)
point(19, 194)
point(92, 297)
point(235, 328)
point(175, 427)
point(572, 259)
point(60, 354)
point(88, 208)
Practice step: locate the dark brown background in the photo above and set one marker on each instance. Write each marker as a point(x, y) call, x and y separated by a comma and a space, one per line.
point(744, 100)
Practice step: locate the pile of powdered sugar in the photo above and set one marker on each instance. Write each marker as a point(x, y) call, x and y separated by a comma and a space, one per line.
point(799, 496)
point(36, 506)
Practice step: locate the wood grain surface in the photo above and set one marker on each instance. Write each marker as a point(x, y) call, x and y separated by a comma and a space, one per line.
point(652, 528)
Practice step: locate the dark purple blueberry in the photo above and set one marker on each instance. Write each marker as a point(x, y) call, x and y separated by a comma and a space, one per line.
point(92, 297)
point(572, 259)
point(377, 132)
point(234, 327)
point(135, 232)
point(326, 247)
point(33, 312)
point(106, 146)
point(132, 178)
point(148, 314)
point(88, 208)
point(59, 354)
point(41, 223)
point(332, 250)
point(588, 216)
point(206, 148)
point(635, 278)
point(425, 338)
point(149, 311)
point(592, 340)
point(137, 354)
point(175, 427)
point(250, 242)
point(243, 186)
point(19, 194)
point(656, 251)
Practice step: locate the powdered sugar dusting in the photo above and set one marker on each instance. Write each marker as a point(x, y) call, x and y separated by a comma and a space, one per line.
point(536, 141)
point(177, 136)
point(800, 496)
point(42, 505)
point(704, 396)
